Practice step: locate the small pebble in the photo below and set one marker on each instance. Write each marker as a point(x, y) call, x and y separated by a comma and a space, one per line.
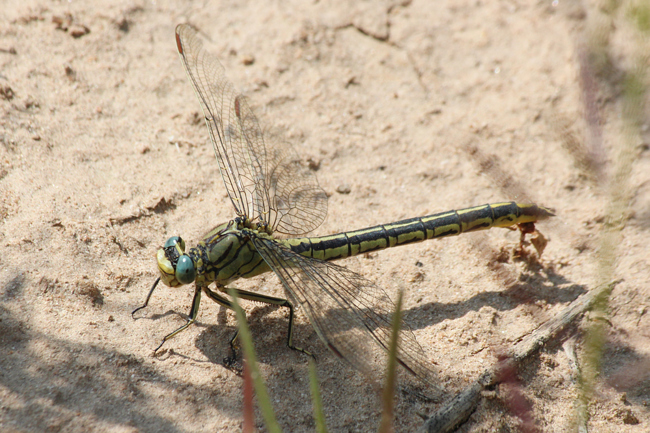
point(343, 189)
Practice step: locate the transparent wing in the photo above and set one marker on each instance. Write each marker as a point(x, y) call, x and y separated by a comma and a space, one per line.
point(271, 187)
point(351, 315)
point(298, 205)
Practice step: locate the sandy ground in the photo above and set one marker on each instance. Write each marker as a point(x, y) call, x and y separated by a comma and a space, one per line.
point(102, 159)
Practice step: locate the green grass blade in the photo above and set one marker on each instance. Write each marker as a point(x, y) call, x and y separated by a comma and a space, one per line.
point(251, 360)
point(389, 387)
point(319, 416)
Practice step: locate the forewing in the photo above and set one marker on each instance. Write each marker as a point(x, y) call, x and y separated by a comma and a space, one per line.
point(266, 185)
point(351, 315)
point(234, 130)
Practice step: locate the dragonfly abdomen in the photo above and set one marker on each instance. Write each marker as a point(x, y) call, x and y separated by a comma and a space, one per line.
point(412, 230)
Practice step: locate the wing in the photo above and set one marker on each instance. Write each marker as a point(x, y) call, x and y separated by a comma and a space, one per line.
point(298, 205)
point(272, 187)
point(351, 315)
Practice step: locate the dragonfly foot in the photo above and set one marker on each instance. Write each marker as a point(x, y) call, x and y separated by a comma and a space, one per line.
point(159, 346)
point(306, 352)
point(135, 311)
point(146, 301)
point(234, 364)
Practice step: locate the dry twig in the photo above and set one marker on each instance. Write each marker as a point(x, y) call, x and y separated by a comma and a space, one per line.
point(457, 410)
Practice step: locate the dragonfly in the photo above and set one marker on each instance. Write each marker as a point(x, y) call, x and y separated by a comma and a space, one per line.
point(277, 202)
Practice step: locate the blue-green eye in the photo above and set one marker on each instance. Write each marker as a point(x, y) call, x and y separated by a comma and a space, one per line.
point(185, 272)
point(175, 240)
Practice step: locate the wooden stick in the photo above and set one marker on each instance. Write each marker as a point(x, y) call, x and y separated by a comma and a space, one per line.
point(457, 410)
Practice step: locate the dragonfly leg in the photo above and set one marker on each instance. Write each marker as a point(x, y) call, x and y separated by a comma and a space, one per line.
point(218, 298)
point(194, 311)
point(224, 303)
point(146, 301)
point(256, 297)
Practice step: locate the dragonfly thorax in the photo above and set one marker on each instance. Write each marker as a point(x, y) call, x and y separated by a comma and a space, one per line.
point(227, 254)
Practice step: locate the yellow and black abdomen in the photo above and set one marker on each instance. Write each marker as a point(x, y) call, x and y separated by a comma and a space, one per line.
point(412, 230)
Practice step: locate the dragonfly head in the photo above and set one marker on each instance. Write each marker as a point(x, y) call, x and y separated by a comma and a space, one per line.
point(176, 268)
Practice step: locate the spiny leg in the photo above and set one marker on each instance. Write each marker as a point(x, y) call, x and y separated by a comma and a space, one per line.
point(194, 311)
point(256, 297)
point(146, 301)
point(252, 296)
point(229, 360)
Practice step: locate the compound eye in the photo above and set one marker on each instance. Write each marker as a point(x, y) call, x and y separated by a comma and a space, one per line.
point(175, 240)
point(185, 271)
